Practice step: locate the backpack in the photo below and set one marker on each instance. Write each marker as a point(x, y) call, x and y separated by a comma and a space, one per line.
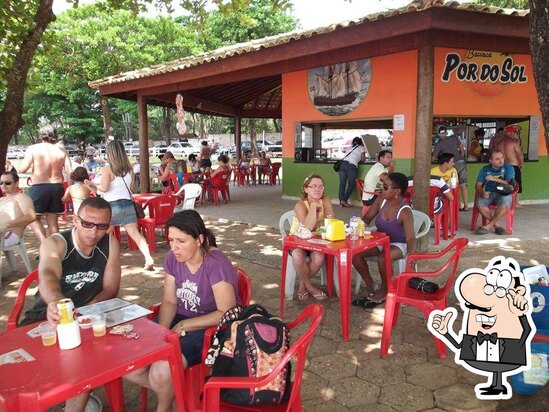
point(250, 342)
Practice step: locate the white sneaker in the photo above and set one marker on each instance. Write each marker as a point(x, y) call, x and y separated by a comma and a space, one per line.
point(94, 404)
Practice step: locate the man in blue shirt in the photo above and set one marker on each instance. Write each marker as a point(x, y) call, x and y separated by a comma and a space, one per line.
point(490, 176)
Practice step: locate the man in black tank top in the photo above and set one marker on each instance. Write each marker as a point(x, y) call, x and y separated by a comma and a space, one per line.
point(82, 264)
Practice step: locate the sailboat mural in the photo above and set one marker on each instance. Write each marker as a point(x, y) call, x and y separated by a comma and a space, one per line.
point(338, 89)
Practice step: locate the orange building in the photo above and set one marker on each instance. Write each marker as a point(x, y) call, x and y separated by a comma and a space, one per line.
point(392, 78)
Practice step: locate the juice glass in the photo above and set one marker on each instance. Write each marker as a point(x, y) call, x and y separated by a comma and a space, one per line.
point(47, 332)
point(99, 324)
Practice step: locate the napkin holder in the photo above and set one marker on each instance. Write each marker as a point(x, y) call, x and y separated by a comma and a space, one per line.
point(335, 230)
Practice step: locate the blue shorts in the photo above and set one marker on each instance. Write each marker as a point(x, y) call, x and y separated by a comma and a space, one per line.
point(123, 212)
point(46, 198)
point(191, 343)
point(495, 199)
point(205, 163)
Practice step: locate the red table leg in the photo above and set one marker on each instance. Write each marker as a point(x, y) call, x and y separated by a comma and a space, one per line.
point(115, 393)
point(176, 367)
point(344, 276)
point(283, 280)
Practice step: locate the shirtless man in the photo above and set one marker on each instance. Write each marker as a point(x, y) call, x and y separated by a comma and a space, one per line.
point(47, 162)
point(204, 157)
point(509, 145)
point(16, 209)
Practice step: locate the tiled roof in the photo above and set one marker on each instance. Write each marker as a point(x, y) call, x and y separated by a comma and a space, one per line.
point(271, 41)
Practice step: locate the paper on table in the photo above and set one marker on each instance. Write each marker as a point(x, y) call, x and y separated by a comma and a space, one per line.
point(319, 241)
point(15, 356)
point(117, 310)
point(34, 332)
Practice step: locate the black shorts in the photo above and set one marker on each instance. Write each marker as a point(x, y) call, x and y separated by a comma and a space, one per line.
point(47, 198)
point(205, 163)
point(191, 343)
point(518, 177)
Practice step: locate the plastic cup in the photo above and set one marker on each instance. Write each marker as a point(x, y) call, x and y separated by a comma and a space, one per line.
point(367, 234)
point(99, 324)
point(47, 332)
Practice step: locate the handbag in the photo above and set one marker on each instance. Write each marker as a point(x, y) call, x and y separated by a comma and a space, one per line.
point(423, 285)
point(139, 211)
point(337, 165)
point(504, 188)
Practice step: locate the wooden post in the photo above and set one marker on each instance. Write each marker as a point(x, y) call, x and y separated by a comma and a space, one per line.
point(238, 135)
point(145, 184)
point(424, 127)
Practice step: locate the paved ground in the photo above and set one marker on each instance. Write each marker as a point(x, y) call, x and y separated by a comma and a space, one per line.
point(341, 376)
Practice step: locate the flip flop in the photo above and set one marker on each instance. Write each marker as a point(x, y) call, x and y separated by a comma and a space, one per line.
point(303, 295)
point(361, 303)
point(500, 231)
point(372, 304)
point(320, 295)
point(481, 230)
point(463, 209)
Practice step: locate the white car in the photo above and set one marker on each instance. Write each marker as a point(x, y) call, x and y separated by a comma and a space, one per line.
point(180, 149)
point(14, 153)
point(158, 149)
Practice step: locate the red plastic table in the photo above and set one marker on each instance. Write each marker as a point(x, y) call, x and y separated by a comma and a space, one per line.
point(56, 375)
point(344, 251)
point(143, 198)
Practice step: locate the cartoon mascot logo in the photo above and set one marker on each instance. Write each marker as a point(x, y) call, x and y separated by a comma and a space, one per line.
point(497, 326)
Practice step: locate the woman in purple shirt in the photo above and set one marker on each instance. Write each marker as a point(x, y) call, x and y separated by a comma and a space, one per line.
point(395, 219)
point(200, 285)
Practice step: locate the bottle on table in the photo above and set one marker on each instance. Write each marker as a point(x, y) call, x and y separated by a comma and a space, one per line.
point(353, 224)
point(453, 180)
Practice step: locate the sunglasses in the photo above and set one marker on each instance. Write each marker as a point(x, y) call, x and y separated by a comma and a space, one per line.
point(90, 225)
point(387, 187)
point(5, 182)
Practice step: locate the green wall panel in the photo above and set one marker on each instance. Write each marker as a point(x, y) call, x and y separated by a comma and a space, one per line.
point(535, 177)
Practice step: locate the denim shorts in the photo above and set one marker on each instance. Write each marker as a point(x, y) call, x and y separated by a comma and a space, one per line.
point(191, 343)
point(123, 212)
point(495, 199)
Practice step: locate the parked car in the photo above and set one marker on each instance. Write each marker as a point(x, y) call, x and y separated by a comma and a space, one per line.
point(158, 149)
point(275, 149)
point(14, 153)
point(180, 149)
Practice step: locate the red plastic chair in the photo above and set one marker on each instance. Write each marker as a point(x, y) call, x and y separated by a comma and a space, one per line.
point(509, 215)
point(212, 402)
point(196, 375)
point(441, 220)
point(399, 291)
point(160, 210)
point(273, 173)
point(15, 313)
point(131, 244)
point(218, 183)
point(173, 185)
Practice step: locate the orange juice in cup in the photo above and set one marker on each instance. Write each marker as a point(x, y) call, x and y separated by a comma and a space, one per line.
point(47, 332)
point(99, 324)
point(367, 234)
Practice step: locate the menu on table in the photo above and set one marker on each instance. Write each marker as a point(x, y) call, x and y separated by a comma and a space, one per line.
point(118, 311)
point(15, 356)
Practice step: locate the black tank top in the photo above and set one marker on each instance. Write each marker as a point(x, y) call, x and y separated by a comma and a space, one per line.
point(82, 276)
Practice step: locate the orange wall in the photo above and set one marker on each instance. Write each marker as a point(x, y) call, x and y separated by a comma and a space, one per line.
point(392, 91)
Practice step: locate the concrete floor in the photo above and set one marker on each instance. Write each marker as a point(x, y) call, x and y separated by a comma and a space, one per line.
point(340, 376)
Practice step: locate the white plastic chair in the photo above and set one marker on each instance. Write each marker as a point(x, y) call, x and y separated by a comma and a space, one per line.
point(192, 192)
point(422, 224)
point(8, 251)
point(286, 219)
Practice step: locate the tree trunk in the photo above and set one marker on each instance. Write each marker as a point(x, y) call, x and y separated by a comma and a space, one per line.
point(253, 136)
point(539, 48)
point(11, 119)
point(106, 115)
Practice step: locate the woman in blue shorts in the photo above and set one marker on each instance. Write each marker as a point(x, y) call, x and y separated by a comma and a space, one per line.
point(200, 285)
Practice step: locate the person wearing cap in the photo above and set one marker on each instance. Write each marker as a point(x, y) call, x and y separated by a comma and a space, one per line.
point(451, 144)
point(47, 162)
point(510, 147)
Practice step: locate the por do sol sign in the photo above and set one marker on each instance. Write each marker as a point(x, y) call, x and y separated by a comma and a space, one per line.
point(488, 73)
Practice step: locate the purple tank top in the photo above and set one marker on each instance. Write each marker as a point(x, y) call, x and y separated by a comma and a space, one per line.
point(392, 228)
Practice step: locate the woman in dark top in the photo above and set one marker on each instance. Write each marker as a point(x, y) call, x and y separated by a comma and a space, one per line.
point(393, 216)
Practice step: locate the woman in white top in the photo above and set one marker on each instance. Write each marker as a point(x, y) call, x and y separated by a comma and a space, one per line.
point(349, 169)
point(116, 179)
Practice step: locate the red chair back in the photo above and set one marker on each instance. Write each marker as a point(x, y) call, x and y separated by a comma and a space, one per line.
point(161, 208)
point(173, 185)
point(509, 215)
point(401, 292)
point(244, 287)
point(15, 313)
point(313, 313)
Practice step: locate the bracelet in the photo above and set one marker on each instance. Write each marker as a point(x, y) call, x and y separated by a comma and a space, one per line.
point(181, 330)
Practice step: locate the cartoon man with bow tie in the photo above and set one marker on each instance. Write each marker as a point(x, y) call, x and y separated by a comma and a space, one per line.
point(497, 327)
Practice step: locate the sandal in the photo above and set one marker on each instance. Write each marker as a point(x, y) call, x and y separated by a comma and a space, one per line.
point(370, 304)
point(320, 295)
point(481, 230)
point(361, 303)
point(500, 230)
point(463, 209)
point(303, 295)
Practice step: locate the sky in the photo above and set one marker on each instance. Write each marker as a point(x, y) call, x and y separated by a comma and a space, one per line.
point(315, 13)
